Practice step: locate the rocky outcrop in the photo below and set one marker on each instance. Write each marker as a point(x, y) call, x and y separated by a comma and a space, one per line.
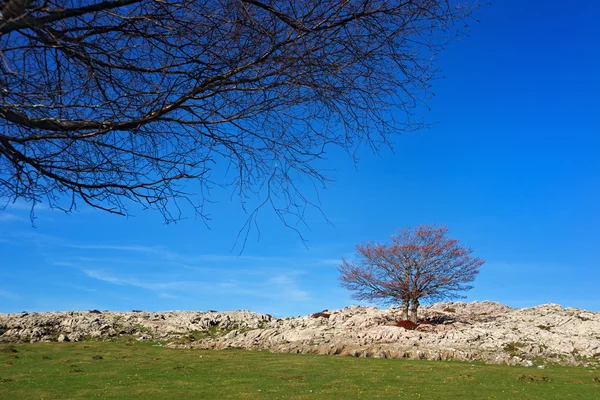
point(478, 331)
point(81, 325)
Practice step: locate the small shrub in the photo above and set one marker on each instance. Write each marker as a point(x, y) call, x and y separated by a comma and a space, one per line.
point(597, 379)
point(450, 309)
point(514, 348)
point(534, 378)
point(45, 357)
point(544, 327)
point(9, 349)
point(4, 380)
point(97, 357)
point(406, 324)
point(439, 320)
point(322, 314)
point(95, 312)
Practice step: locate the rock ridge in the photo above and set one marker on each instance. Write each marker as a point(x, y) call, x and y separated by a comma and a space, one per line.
point(477, 331)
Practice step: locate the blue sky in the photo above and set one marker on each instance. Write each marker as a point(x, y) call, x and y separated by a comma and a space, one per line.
point(511, 166)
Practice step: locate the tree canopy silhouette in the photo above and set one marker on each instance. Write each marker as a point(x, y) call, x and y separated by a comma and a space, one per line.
point(418, 264)
point(116, 102)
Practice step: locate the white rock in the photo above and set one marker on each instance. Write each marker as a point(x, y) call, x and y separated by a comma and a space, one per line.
point(483, 331)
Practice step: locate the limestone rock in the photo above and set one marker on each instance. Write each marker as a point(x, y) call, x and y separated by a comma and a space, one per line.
point(477, 331)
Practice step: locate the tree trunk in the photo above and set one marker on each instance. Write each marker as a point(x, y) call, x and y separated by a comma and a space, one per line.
point(413, 311)
point(405, 305)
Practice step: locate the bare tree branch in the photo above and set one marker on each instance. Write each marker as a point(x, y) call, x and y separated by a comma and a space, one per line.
point(121, 101)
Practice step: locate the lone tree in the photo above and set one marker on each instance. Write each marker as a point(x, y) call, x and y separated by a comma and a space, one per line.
point(114, 102)
point(420, 264)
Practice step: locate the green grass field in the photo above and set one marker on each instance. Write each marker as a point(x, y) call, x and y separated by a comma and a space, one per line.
point(120, 370)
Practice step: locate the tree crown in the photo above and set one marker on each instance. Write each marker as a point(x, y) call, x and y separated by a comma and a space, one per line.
point(417, 264)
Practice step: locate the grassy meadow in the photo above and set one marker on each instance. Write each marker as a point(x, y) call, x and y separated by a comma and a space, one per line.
point(126, 370)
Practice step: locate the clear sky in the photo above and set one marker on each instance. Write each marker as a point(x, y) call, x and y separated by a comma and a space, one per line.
point(511, 166)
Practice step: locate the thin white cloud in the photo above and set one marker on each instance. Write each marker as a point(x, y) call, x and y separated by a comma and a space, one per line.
point(183, 260)
point(21, 205)
point(106, 260)
point(64, 264)
point(9, 295)
point(154, 286)
point(129, 248)
point(31, 235)
point(288, 288)
point(167, 296)
point(170, 274)
point(6, 216)
point(187, 258)
point(170, 255)
point(330, 261)
point(505, 266)
point(281, 287)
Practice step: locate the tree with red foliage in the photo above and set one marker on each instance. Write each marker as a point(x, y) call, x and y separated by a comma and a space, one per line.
point(421, 264)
